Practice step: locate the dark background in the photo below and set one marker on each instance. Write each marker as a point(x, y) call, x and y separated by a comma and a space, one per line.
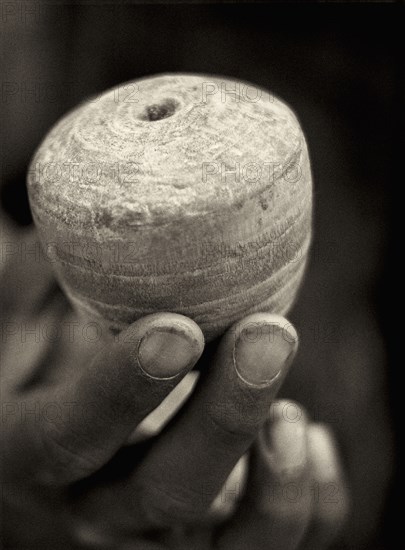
point(339, 67)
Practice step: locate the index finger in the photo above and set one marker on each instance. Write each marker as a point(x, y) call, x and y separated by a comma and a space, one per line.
point(191, 459)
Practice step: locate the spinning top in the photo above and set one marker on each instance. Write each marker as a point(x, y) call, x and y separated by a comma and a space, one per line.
point(182, 193)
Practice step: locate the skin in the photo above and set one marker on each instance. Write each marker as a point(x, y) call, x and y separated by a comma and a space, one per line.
point(71, 481)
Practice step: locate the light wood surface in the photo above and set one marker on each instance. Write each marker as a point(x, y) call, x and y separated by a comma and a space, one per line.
point(172, 193)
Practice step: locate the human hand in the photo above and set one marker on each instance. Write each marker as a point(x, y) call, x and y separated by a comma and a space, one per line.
point(70, 480)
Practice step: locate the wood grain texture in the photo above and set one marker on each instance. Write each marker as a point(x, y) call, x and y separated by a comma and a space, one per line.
point(172, 193)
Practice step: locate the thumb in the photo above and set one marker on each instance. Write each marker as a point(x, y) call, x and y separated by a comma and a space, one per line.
point(94, 412)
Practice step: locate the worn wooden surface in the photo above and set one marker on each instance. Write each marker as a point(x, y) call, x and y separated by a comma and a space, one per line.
point(172, 193)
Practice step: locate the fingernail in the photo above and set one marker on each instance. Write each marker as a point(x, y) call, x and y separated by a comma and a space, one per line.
point(286, 442)
point(262, 349)
point(165, 352)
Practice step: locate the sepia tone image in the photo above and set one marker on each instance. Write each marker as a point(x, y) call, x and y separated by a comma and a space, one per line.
point(198, 344)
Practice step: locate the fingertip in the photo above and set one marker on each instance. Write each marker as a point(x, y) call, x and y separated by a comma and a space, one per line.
point(283, 441)
point(163, 345)
point(258, 319)
point(264, 347)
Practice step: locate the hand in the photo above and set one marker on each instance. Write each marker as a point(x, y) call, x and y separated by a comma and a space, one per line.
point(70, 480)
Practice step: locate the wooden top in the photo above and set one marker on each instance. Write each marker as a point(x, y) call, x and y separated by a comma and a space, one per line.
point(185, 193)
point(165, 147)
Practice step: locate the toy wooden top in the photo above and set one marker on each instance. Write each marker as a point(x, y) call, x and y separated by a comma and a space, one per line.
point(164, 147)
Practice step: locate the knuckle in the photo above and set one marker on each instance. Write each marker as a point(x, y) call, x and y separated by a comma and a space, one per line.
point(230, 434)
point(234, 423)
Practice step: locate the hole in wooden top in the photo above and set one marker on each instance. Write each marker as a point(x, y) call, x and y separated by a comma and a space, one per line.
point(158, 111)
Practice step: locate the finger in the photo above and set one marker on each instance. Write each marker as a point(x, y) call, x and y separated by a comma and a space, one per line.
point(276, 508)
point(192, 458)
point(90, 416)
point(216, 427)
point(330, 494)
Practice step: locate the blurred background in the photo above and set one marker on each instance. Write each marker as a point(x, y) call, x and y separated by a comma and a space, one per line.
point(339, 67)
